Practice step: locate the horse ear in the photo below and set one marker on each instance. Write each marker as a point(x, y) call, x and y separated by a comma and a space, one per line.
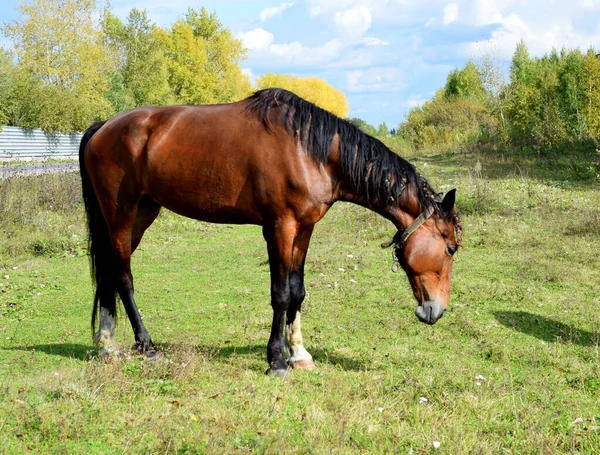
point(448, 201)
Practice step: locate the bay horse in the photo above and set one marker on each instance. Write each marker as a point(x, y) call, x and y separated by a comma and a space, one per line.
point(274, 160)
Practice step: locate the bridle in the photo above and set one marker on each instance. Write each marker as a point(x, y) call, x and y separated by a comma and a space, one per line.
point(400, 238)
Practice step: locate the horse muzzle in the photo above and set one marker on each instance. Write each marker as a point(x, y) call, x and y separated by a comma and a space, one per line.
point(430, 311)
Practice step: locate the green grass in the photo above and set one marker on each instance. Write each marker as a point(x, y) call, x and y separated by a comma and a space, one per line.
point(524, 315)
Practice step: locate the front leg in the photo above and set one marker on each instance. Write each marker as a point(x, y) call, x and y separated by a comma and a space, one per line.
point(280, 239)
point(299, 357)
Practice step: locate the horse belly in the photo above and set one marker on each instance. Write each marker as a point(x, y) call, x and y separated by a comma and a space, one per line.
point(206, 190)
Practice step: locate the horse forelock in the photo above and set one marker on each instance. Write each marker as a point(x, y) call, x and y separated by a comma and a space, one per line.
point(370, 166)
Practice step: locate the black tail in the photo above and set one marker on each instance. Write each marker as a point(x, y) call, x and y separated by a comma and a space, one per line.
point(99, 247)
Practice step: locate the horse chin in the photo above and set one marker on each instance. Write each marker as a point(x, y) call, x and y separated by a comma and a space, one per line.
point(430, 312)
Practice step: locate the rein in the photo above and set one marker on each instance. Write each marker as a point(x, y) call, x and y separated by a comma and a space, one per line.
point(399, 242)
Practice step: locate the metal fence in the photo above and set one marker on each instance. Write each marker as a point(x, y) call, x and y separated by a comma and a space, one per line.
point(35, 144)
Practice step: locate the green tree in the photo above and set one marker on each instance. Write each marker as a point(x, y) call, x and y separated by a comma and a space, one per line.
point(592, 92)
point(465, 83)
point(383, 131)
point(571, 83)
point(364, 126)
point(58, 44)
point(140, 68)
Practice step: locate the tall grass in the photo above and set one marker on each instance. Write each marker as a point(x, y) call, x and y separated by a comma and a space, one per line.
point(40, 215)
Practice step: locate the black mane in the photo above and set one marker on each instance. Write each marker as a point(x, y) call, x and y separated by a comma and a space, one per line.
point(372, 168)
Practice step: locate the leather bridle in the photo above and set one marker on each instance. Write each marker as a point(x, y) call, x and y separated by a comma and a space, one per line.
point(400, 238)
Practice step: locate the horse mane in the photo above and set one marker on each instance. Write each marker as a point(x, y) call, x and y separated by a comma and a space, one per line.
point(373, 169)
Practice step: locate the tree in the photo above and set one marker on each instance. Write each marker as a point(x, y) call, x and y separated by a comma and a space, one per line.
point(571, 83)
point(465, 83)
point(203, 60)
point(383, 131)
point(313, 89)
point(224, 80)
point(591, 68)
point(140, 68)
point(58, 45)
point(364, 126)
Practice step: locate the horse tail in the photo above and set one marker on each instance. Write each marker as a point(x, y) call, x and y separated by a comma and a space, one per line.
point(99, 245)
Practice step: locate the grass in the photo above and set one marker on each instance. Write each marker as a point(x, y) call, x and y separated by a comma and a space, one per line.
point(513, 367)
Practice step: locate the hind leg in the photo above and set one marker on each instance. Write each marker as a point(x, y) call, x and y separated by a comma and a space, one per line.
point(125, 239)
point(104, 337)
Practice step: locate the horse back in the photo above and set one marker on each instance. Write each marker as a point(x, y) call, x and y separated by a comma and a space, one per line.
point(214, 163)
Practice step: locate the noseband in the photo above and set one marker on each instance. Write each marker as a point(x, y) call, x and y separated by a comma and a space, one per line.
point(399, 239)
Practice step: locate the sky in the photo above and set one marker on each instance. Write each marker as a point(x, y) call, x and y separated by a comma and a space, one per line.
point(387, 56)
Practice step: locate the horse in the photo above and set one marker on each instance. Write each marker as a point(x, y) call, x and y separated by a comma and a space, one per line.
point(273, 160)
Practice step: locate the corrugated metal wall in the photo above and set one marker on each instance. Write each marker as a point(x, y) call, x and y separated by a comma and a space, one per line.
point(21, 143)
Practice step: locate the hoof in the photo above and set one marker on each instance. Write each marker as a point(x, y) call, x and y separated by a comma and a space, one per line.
point(305, 364)
point(154, 356)
point(109, 354)
point(281, 373)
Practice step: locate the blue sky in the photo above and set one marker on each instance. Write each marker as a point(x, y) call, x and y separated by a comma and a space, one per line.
point(385, 55)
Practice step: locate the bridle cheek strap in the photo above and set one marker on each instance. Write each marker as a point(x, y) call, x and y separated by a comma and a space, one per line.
point(416, 224)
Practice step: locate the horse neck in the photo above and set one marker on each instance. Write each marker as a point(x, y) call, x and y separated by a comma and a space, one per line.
point(401, 211)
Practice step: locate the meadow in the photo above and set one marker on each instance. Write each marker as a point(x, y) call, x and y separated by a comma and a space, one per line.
point(513, 367)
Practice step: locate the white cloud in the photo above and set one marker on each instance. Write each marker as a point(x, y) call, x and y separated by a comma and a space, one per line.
point(354, 22)
point(297, 54)
point(256, 39)
point(386, 79)
point(450, 13)
point(370, 41)
point(589, 4)
point(269, 13)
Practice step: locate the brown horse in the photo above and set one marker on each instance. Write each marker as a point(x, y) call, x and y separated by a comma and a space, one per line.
point(274, 160)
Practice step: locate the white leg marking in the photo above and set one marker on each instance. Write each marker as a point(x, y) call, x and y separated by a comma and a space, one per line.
point(103, 338)
point(293, 341)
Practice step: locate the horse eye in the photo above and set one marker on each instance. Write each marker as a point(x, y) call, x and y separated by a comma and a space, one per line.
point(450, 250)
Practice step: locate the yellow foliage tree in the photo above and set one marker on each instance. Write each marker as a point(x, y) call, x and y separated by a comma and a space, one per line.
point(312, 89)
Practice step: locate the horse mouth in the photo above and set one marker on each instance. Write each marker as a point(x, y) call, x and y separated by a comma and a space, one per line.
point(430, 312)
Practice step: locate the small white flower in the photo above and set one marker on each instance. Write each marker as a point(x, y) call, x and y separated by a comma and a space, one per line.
point(577, 421)
point(355, 267)
point(350, 256)
point(436, 444)
point(352, 280)
point(478, 383)
point(6, 277)
point(322, 274)
point(423, 400)
point(480, 377)
point(380, 409)
point(341, 269)
point(335, 284)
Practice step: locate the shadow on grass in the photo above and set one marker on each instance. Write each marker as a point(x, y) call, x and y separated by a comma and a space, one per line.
point(68, 350)
point(546, 329)
point(223, 353)
point(259, 351)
